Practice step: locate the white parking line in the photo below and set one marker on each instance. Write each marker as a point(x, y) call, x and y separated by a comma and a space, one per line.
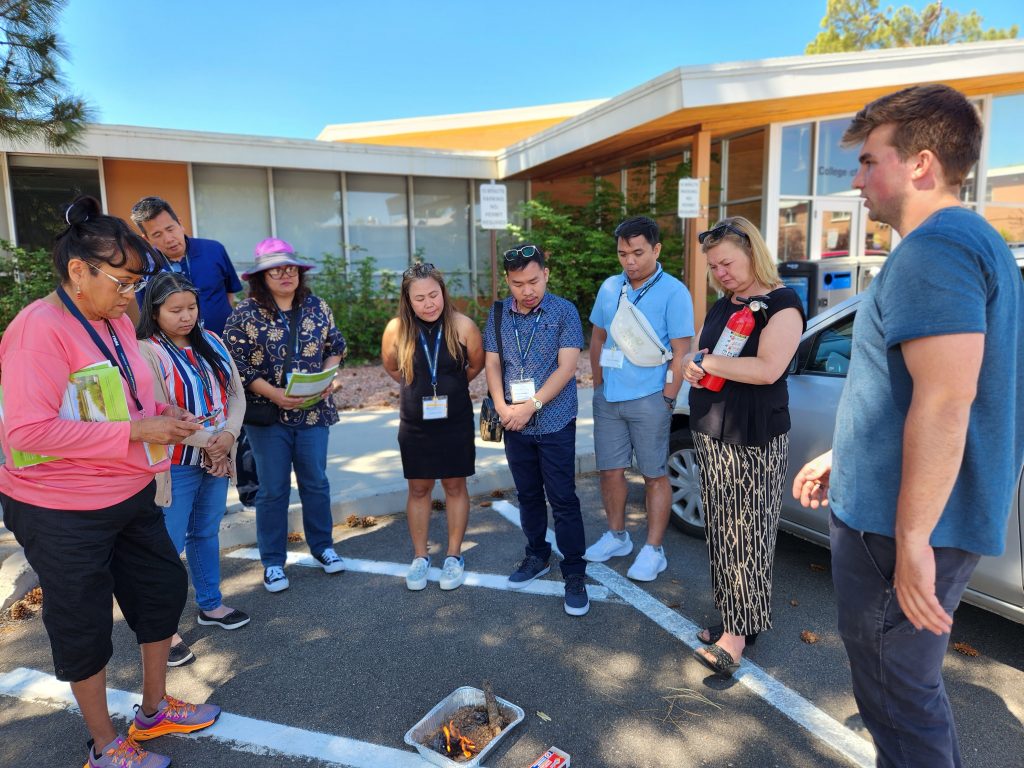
point(244, 734)
point(787, 701)
point(473, 578)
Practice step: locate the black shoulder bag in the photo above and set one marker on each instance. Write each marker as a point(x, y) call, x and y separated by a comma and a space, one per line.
point(259, 411)
point(491, 430)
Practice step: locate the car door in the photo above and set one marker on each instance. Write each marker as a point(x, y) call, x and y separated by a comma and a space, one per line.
point(815, 386)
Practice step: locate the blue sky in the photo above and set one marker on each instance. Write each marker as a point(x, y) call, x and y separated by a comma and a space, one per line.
point(289, 69)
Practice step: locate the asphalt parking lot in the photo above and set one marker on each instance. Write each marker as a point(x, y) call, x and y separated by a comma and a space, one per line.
point(336, 669)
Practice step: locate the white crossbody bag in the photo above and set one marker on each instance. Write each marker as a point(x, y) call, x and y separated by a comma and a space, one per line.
point(635, 336)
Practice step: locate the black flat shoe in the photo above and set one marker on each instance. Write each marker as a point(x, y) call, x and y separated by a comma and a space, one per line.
point(715, 633)
point(232, 620)
point(723, 663)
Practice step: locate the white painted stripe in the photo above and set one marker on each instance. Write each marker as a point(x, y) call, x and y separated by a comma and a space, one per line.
point(241, 733)
point(473, 578)
point(511, 513)
point(790, 703)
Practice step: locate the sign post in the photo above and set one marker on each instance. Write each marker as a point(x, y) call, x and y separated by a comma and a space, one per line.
point(494, 216)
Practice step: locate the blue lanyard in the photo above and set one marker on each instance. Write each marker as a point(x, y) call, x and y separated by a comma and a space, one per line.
point(515, 330)
point(296, 313)
point(184, 265)
point(432, 361)
point(643, 289)
point(121, 362)
point(180, 358)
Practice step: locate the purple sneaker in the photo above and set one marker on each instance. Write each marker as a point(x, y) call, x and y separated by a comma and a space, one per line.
point(125, 753)
point(173, 716)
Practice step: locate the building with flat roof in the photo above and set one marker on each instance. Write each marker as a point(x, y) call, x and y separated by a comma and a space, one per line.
point(762, 135)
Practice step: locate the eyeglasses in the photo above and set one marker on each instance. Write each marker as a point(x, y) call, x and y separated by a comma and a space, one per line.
point(122, 287)
point(523, 253)
point(420, 269)
point(718, 232)
point(278, 272)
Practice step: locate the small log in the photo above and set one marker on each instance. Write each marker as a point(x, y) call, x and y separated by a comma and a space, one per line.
point(493, 714)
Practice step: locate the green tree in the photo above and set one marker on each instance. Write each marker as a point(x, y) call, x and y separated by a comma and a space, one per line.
point(860, 25)
point(24, 277)
point(34, 102)
point(579, 241)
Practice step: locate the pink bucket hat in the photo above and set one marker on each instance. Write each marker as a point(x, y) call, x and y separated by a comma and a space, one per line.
point(271, 253)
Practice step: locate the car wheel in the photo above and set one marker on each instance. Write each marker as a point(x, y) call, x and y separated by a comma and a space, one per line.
point(684, 477)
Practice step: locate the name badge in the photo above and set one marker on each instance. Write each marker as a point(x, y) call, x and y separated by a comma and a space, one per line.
point(522, 390)
point(435, 408)
point(611, 357)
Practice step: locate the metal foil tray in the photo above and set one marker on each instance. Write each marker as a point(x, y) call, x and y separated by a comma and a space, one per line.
point(466, 696)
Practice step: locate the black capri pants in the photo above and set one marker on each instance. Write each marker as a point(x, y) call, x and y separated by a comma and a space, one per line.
point(84, 558)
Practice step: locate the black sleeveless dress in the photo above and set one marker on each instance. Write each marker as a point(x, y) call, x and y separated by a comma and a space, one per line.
point(436, 448)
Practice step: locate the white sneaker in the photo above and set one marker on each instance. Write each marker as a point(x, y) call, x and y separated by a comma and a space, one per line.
point(607, 547)
point(416, 578)
point(453, 574)
point(274, 579)
point(648, 564)
point(330, 561)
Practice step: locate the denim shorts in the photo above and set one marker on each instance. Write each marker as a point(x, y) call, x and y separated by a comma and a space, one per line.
point(631, 428)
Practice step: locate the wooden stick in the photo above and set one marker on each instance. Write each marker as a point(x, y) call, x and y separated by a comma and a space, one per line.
point(493, 715)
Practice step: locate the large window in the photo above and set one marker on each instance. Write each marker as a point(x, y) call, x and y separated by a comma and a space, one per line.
point(441, 222)
point(41, 188)
point(307, 210)
point(836, 165)
point(1004, 197)
point(378, 220)
point(737, 173)
point(232, 206)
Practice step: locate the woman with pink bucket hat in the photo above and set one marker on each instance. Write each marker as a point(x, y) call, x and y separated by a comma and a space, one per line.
point(279, 329)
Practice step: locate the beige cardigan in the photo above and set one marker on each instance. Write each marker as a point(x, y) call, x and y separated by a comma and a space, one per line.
point(236, 412)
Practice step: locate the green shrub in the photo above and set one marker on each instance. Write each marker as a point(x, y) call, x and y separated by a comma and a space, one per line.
point(24, 277)
point(362, 299)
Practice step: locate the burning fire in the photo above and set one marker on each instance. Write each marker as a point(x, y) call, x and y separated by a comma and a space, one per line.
point(451, 734)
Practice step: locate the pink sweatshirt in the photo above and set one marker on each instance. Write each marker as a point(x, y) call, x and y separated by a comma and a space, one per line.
point(99, 466)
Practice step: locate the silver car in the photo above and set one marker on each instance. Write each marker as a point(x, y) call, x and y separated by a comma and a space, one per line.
point(816, 379)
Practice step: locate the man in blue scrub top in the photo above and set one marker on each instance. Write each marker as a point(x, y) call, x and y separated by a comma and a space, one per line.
point(204, 262)
point(633, 404)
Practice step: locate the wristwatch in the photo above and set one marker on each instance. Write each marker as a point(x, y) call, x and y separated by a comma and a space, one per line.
point(669, 401)
point(537, 404)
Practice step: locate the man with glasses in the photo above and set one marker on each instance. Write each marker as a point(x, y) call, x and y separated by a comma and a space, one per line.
point(204, 262)
point(635, 391)
point(531, 376)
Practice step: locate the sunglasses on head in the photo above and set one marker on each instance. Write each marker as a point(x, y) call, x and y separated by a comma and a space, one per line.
point(520, 257)
point(421, 269)
point(718, 232)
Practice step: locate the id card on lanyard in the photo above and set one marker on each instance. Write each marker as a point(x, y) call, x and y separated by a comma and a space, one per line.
point(434, 407)
point(523, 388)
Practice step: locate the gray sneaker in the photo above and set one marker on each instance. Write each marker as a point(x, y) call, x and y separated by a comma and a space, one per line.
point(125, 753)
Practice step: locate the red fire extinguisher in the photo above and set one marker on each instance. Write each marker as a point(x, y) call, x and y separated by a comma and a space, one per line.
point(731, 343)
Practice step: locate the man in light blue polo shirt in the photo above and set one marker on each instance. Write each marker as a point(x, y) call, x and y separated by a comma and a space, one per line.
point(633, 403)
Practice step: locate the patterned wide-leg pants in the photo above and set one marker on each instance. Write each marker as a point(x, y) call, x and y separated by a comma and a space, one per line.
point(741, 487)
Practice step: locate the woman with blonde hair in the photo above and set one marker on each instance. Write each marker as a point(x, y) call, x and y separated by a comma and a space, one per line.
point(433, 352)
point(741, 432)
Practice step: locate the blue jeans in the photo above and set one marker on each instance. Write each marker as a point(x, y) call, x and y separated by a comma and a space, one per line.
point(896, 669)
point(277, 449)
point(198, 501)
point(546, 464)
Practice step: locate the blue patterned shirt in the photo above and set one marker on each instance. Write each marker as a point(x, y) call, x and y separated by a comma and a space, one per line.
point(257, 339)
point(558, 327)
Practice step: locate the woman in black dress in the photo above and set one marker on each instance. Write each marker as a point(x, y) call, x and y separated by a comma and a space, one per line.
point(433, 352)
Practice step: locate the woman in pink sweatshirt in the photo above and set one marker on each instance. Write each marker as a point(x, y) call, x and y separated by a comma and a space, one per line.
point(78, 494)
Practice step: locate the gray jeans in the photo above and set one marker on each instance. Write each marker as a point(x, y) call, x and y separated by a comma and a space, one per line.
point(896, 670)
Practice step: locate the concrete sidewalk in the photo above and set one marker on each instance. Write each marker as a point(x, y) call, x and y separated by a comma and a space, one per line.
point(365, 471)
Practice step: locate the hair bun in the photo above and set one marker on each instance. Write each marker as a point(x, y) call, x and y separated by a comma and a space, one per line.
point(81, 210)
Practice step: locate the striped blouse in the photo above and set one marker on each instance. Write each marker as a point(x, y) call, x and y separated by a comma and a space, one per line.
point(193, 386)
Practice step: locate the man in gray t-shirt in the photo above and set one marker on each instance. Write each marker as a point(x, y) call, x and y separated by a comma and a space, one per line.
point(929, 437)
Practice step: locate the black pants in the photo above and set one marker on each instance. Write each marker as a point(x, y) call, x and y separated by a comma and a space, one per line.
point(83, 559)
